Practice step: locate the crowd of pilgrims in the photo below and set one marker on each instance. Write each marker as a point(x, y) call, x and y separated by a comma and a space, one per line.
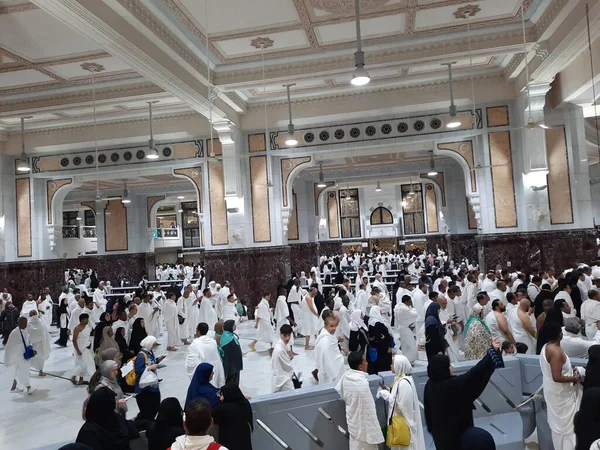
point(358, 326)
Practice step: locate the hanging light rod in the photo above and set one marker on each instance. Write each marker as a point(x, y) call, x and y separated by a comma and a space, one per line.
point(291, 139)
point(152, 153)
point(125, 199)
point(454, 122)
point(23, 166)
point(361, 76)
point(321, 184)
point(432, 172)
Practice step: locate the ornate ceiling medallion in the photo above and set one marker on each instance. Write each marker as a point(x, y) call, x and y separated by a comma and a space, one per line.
point(92, 67)
point(262, 42)
point(346, 6)
point(464, 12)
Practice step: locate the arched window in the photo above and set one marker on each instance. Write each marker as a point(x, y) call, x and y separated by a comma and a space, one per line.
point(382, 216)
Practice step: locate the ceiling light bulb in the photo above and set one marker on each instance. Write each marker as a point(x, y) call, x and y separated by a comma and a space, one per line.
point(291, 140)
point(360, 77)
point(378, 188)
point(152, 154)
point(125, 200)
point(454, 123)
point(78, 218)
point(321, 184)
point(404, 203)
point(180, 197)
point(432, 173)
point(23, 164)
point(180, 210)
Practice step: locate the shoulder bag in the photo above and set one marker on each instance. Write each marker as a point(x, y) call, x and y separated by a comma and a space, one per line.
point(29, 351)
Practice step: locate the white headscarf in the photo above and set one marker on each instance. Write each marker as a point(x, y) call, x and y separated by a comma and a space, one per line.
point(356, 321)
point(375, 316)
point(402, 366)
point(127, 298)
point(148, 342)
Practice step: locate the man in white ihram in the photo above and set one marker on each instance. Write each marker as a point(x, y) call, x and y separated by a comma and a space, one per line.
point(353, 387)
point(14, 357)
point(204, 349)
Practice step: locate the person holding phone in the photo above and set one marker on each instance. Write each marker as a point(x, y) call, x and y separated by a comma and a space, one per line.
point(147, 398)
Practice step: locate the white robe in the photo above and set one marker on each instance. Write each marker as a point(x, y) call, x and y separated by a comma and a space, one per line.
point(518, 331)
point(84, 363)
point(403, 401)
point(146, 312)
point(405, 318)
point(207, 315)
point(230, 313)
point(295, 299)
point(13, 355)
point(74, 319)
point(171, 323)
point(265, 320)
point(361, 416)
point(362, 299)
point(99, 300)
point(562, 401)
point(453, 350)
point(590, 313)
point(205, 349)
point(39, 337)
point(27, 307)
point(122, 324)
point(564, 295)
point(282, 312)
point(344, 325)
point(192, 314)
point(45, 311)
point(328, 358)
point(492, 322)
point(310, 320)
point(281, 369)
point(182, 310)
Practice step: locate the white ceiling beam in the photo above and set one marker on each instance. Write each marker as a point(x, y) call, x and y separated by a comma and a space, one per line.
point(115, 28)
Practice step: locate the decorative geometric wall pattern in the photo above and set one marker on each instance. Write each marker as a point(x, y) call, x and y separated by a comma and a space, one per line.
point(287, 166)
point(52, 187)
point(150, 202)
point(376, 130)
point(439, 179)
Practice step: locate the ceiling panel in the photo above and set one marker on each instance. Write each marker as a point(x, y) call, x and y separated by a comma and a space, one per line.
point(36, 35)
point(485, 10)
point(251, 14)
point(436, 67)
point(289, 40)
point(73, 70)
point(34, 117)
point(370, 28)
point(22, 77)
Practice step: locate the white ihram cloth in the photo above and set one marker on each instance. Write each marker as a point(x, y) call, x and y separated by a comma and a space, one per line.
point(564, 295)
point(518, 331)
point(310, 320)
point(419, 300)
point(45, 311)
point(99, 299)
point(13, 355)
point(39, 336)
point(84, 363)
point(590, 313)
point(403, 401)
point(146, 312)
point(362, 299)
point(182, 311)
point(27, 307)
point(207, 314)
point(492, 322)
point(453, 350)
point(361, 416)
point(171, 323)
point(282, 312)
point(563, 401)
point(193, 314)
point(281, 368)
point(205, 349)
point(230, 313)
point(328, 358)
point(294, 299)
point(74, 319)
point(575, 346)
point(265, 320)
point(405, 318)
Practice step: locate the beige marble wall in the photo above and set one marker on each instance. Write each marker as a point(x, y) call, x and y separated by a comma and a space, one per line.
point(292, 233)
point(432, 212)
point(559, 183)
point(287, 165)
point(503, 187)
point(115, 226)
point(219, 229)
point(150, 202)
point(333, 216)
point(497, 116)
point(52, 187)
point(261, 214)
point(23, 205)
point(472, 221)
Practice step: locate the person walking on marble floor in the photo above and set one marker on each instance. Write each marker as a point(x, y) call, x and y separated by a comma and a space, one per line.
point(8, 320)
point(16, 355)
point(82, 351)
point(264, 324)
point(310, 317)
point(39, 336)
point(281, 363)
point(182, 311)
point(205, 349)
point(329, 358)
point(171, 323)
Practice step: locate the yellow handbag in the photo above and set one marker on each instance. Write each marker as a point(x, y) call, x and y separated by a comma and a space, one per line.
point(398, 431)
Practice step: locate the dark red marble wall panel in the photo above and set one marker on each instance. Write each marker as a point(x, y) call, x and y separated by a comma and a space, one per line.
point(464, 246)
point(303, 257)
point(252, 271)
point(330, 248)
point(22, 278)
point(435, 242)
point(538, 251)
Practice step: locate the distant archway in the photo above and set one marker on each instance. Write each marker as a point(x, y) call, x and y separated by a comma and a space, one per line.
point(381, 216)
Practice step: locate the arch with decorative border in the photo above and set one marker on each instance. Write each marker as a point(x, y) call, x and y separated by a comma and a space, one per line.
point(290, 167)
point(465, 156)
point(150, 203)
point(381, 210)
point(52, 189)
point(194, 175)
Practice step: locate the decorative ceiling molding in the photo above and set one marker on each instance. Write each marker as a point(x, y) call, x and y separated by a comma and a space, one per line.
point(12, 67)
point(306, 24)
point(466, 12)
point(262, 42)
point(345, 6)
point(17, 8)
point(30, 65)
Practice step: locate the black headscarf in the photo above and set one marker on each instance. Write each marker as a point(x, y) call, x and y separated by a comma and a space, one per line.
point(62, 308)
point(170, 413)
point(101, 410)
point(123, 348)
point(167, 427)
point(98, 334)
point(592, 370)
point(234, 418)
point(232, 394)
point(138, 334)
point(228, 325)
point(432, 318)
point(438, 368)
point(552, 315)
point(587, 419)
point(477, 439)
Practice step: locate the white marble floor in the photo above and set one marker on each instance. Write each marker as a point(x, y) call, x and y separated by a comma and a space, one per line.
point(52, 415)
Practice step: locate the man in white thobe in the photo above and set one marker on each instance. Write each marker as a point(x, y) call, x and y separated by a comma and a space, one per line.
point(205, 349)
point(263, 323)
point(82, 350)
point(406, 317)
point(572, 343)
point(182, 310)
point(499, 293)
point(14, 357)
point(39, 336)
point(420, 298)
point(99, 299)
point(149, 313)
point(45, 308)
point(361, 416)
point(171, 323)
point(328, 357)
point(28, 305)
point(281, 362)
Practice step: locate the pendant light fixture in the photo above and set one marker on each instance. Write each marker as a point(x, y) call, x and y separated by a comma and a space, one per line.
point(412, 190)
point(321, 184)
point(264, 81)
point(454, 122)
point(378, 188)
point(125, 198)
point(23, 166)
point(432, 172)
point(361, 76)
point(348, 197)
point(291, 139)
point(152, 152)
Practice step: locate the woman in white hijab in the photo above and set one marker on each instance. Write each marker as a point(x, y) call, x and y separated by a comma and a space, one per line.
point(359, 338)
point(403, 401)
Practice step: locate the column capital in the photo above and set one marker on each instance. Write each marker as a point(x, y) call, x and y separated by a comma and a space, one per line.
point(226, 131)
point(536, 97)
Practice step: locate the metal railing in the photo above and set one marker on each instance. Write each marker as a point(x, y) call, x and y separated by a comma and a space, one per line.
point(167, 233)
point(88, 232)
point(78, 232)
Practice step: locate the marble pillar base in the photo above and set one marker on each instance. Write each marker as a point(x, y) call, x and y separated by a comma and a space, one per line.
point(252, 271)
point(28, 277)
point(540, 250)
